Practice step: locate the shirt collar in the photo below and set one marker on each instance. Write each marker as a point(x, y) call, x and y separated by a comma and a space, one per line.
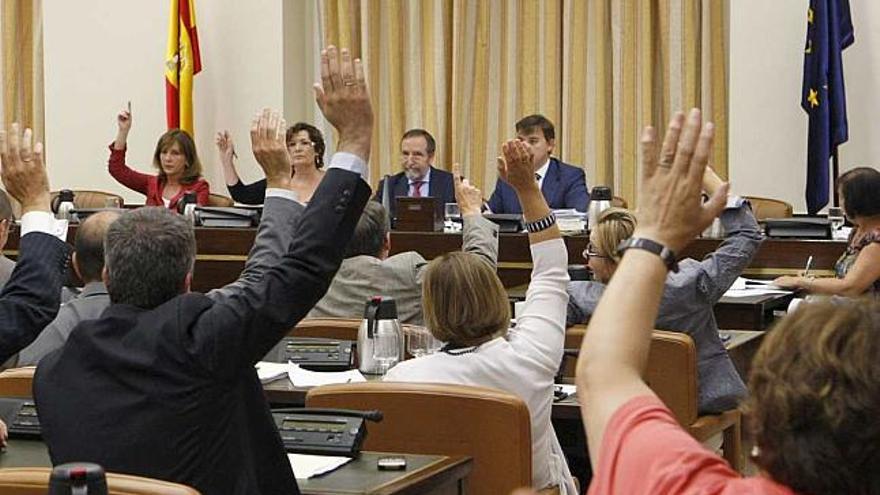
point(426, 178)
point(543, 170)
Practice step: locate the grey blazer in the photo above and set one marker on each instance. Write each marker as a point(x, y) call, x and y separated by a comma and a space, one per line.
point(398, 276)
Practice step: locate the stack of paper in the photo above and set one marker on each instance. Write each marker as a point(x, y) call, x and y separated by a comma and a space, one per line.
point(745, 287)
point(570, 220)
point(305, 466)
point(305, 378)
point(268, 372)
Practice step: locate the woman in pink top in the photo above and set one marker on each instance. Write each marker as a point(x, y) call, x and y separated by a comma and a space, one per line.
point(815, 384)
point(175, 157)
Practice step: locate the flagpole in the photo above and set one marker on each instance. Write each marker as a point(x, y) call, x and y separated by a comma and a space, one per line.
point(835, 172)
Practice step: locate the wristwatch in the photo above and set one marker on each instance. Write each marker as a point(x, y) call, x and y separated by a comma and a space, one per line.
point(660, 250)
point(542, 223)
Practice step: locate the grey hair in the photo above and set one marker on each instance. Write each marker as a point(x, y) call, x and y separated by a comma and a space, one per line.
point(148, 253)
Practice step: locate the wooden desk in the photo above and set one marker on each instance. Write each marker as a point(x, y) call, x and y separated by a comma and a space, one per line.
point(223, 251)
point(424, 474)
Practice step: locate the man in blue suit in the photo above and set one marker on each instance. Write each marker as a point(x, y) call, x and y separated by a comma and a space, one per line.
point(563, 185)
point(419, 178)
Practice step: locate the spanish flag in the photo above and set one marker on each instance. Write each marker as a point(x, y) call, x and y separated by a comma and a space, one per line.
point(182, 62)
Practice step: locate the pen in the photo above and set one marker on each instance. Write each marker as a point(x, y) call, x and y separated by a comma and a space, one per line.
point(807, 268)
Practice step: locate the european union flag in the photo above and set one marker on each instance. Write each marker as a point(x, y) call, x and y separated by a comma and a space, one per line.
point(829, 32)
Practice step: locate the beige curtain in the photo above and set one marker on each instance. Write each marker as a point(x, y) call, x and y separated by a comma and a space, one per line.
point(21, 55)
point(599, 69)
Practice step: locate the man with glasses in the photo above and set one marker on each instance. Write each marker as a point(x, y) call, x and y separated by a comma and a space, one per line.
point(689, 295)
point(563, 185)
point(419, 177)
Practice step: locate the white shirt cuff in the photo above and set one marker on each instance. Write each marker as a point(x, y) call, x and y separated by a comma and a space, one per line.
point(277, 192)
point(350, 162)
point(734, 202)
point(43, 221)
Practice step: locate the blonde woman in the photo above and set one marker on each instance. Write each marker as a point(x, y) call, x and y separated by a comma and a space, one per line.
point(466, 306)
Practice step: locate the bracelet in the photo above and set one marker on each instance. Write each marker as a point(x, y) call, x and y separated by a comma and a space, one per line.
point(542, 223)
point(660, 250)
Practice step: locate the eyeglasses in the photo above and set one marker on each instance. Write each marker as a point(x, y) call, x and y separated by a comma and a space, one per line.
point(591, 252)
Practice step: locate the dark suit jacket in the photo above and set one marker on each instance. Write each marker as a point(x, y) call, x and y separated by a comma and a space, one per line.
point(171, 392)
point(30, 299)
point(564, 186)
point(440, 186)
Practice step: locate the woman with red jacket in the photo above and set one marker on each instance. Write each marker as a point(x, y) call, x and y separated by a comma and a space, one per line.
point(180, 170)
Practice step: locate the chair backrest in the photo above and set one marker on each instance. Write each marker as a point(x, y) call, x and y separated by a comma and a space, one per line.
point(769, 208)
point(17, 382)
point(327, 328)
point(489, 425)
point(215, 199)
point(83, 198)
point(35, 481)
point(671, 371)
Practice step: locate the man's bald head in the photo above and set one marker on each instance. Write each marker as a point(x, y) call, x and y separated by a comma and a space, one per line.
point(89, 253)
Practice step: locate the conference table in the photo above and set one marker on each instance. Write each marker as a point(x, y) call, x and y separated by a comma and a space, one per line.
point(221, 253)
point(424, 474)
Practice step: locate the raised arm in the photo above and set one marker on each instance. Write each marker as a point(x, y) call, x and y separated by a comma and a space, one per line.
point(741, 241)
point(30, 299)
point(478, 236)
point(615, 348)
point(116, 165)
point(242, 329)
point(227, 156)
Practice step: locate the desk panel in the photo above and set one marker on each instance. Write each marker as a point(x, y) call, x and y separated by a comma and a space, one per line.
point(223, 251)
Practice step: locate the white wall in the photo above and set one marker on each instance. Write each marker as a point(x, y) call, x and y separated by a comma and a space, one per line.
point(99, 54)
point(768, 129)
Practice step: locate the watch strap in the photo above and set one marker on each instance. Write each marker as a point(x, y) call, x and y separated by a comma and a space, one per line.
point(542, 223)
point(660, 250)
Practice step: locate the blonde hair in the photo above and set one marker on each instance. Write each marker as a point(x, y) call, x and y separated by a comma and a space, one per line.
point(613, 226)
point(463, 299)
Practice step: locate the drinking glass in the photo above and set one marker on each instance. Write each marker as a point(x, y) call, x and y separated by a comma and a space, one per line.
point(452, 212)
point(386, 347)
point(836, 217)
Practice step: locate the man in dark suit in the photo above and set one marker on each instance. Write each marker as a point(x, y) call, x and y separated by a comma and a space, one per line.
point(163, 384)
point(30, 299)
point(563, 185)
point(419, 177)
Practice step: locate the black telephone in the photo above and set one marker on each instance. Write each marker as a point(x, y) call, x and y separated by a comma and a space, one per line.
point(21, 418)
point(323, 431)
point(314, 354)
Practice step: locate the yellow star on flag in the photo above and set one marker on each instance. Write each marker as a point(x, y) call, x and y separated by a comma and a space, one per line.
point(810, 15)
point(813, 98)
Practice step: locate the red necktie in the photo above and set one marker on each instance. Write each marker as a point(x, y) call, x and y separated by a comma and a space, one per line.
point(417, 188)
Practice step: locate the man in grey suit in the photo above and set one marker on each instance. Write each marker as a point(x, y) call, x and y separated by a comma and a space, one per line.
point(368, 270)
point(88, 263)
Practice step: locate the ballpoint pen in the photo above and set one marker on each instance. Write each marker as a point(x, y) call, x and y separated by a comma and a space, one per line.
point(807, 268)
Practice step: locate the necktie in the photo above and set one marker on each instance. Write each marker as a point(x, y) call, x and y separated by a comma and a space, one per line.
point(417, 188)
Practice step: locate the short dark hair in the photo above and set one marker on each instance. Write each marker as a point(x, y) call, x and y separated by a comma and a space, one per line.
point(815, 396)
point(314, 135)
point(536, 121)
point(432, 145)
point(369, 234)
point(861, 192)
point(6, 212)
point(148, 252)
point(193, 170)
point(90, 244)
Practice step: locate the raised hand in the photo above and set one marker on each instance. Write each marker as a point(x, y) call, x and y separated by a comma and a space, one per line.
point(123, 124)
point(670, 210)
point(22, 170)
point(344, 100)
point(225, 146)
point(468, 197)
point(269, 147)
point(515, 166)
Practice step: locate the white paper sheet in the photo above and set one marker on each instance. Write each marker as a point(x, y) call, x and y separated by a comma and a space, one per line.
point(268, 372)
point(305, 378)
point(305, 466)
